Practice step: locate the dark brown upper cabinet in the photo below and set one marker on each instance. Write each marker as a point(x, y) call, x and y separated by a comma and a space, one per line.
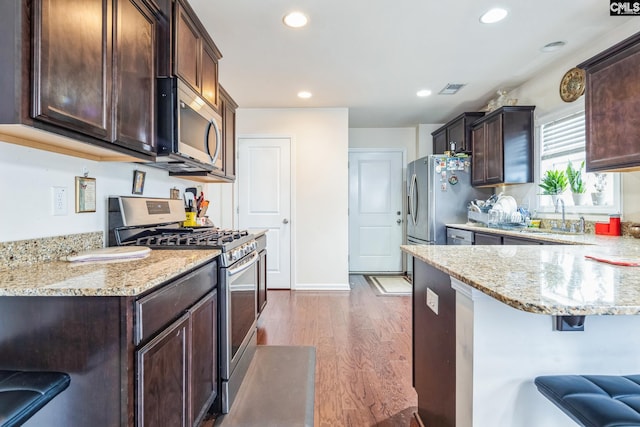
point(134, 69)
point(502, 145)
point(458, 131)
point(195, 55)
point(229, 107)
point(72, 65)
point(82, 71)
point(612, 101)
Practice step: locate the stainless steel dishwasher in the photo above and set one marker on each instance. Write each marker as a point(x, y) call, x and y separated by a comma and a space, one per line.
point(459, 237)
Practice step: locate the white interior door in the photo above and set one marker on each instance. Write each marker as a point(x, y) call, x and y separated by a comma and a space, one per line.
point(375, 211)
point(264, 200)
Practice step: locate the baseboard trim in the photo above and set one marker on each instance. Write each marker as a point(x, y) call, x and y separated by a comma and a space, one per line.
point(322, 287)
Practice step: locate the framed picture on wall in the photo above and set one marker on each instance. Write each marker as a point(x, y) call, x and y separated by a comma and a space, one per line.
point(138, 182)
point(85, 194)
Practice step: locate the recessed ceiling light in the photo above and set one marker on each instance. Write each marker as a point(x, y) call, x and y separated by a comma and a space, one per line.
point(424, 92)
point(304, 94)
point(295, 20)
point(493, 16)
point(553, 46)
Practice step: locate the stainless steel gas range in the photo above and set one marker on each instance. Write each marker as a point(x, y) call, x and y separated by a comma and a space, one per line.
point(156, 223)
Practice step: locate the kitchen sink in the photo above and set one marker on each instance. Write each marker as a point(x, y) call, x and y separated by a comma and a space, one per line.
point(548, 232)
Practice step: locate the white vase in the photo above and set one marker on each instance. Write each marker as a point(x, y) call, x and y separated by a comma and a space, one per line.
point(597, 199)
point(578, 198)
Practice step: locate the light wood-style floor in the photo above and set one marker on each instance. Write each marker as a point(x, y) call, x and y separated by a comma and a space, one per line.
point(363, 352)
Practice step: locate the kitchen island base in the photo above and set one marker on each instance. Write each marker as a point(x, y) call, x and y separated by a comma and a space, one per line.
point(501, 350)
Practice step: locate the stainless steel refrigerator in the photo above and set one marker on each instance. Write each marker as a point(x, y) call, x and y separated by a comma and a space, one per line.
point(438, 192)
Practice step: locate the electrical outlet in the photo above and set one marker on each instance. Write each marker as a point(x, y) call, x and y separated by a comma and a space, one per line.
point(60, 201)
point(432, 301)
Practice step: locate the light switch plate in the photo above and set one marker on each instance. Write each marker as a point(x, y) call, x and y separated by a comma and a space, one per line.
point(432, 301)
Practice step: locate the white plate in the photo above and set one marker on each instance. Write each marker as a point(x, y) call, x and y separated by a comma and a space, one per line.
point(508, 204)
point(116, 252)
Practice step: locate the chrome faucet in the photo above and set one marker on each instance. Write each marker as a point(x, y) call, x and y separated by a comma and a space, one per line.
point(561, 201)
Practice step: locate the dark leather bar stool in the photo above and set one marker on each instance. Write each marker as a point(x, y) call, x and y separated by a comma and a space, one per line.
point(23, 393)
point(595, 400)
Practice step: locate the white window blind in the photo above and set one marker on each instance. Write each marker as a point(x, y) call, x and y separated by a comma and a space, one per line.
point(563, 136)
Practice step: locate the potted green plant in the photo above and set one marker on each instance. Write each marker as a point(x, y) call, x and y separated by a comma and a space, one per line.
point(576, 183)
point(554, 182)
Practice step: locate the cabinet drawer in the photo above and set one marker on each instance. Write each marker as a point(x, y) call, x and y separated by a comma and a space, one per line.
point(159, 308)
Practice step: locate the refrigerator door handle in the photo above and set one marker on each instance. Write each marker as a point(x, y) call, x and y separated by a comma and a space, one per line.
point(412, 199)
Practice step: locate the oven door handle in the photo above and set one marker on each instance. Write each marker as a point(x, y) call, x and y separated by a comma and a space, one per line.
point(245, 265)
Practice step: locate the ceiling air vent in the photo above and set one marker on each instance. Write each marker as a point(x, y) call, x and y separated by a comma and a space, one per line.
point(451, 88)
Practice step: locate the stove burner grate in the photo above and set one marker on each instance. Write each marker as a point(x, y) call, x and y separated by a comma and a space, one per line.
point(191, 237)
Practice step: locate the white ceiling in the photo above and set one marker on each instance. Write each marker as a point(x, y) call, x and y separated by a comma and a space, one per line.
point(372, 56)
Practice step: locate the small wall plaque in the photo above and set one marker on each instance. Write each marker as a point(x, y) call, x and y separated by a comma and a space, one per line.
point(138, 182)
point(85, 194)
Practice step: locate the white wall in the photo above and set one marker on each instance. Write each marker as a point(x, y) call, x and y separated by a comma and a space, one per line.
point(402, 138)
point(26, 198)
point(425, 140)
point(320, 188)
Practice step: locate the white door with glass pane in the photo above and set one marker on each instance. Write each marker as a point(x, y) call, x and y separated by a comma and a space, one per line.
point(264, 200)
point(375, 211)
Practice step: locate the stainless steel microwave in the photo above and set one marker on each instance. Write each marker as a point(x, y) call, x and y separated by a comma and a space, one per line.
point(189, 131)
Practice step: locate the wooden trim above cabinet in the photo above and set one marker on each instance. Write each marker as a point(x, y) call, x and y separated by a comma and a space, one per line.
point(43, 140)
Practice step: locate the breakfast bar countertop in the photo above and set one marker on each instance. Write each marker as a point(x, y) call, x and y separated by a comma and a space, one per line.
point(546, 279)
point(103, 278)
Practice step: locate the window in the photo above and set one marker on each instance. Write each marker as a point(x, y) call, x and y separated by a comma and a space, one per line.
point(562, 141)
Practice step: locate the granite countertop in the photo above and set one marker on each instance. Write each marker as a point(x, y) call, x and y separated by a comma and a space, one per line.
point(105, 278)
point(542, 235)
point(546, 279)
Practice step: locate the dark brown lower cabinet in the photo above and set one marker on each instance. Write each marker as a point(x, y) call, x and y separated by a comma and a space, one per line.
point(204, 368)
point(262, 273)
point(434, 346)
point(177, 375)
point(162, 378)
point(262, 282)
point(133, 361)
point(506, 240)
point(487, 239)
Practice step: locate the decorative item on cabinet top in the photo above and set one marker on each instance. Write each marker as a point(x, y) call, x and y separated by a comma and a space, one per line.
point(501, 101)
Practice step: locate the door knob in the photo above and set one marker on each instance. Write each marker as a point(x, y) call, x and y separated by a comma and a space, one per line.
point(285, 221)
point(398, 221)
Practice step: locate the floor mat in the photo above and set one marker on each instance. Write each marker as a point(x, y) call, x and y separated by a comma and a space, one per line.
point(278, 390)
point(390, 285)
